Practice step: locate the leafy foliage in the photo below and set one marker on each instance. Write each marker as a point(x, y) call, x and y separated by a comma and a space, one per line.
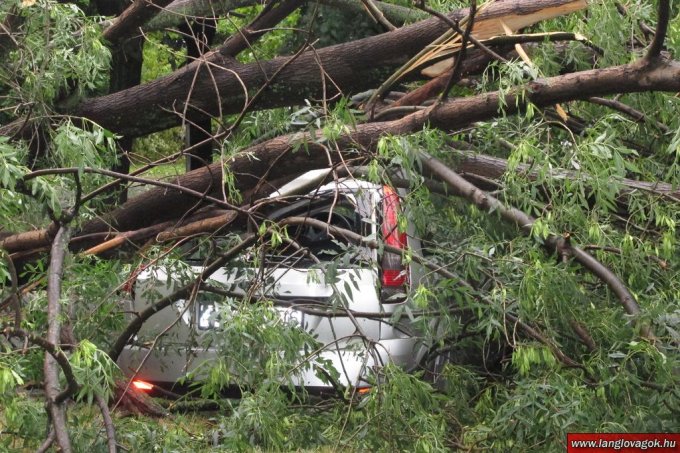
point(484, 384)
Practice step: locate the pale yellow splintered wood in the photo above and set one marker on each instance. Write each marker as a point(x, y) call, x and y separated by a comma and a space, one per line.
point(525, 58)
point(449, 42)
point(486, 29)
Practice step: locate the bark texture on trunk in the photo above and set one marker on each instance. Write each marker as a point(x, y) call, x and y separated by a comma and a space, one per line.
point(222, 85)
point(132, 18)
point(275, 159)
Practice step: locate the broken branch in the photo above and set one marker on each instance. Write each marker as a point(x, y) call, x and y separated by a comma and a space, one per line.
point(525, 223)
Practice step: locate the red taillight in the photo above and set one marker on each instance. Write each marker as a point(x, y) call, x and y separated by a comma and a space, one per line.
point(393, 272)
point(142, 385)
point(129, 285)
point(393, 277)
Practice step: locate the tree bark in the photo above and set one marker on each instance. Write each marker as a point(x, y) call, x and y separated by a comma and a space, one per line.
point(175, 12)
point(51, 368)
point(276, 159)
point(132, 18)
point(159, 205)
point(494, 168)
point(353, 66)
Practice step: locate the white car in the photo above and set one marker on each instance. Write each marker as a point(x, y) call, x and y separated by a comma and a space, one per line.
point(348, 313)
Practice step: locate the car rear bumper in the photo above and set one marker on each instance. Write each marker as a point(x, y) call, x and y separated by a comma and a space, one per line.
point(354, 362)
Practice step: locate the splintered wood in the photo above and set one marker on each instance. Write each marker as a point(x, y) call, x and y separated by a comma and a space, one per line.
point(489, 27)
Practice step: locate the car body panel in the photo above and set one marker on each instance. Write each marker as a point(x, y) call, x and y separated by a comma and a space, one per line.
point(343, 312)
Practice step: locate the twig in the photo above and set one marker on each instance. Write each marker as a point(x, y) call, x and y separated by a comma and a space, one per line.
point(57, 354)
point(646, 29)
point(466, 35)
point(377, 15)
point(583, 334)
point(628, 110)
point(663, 264)
point(538, 336)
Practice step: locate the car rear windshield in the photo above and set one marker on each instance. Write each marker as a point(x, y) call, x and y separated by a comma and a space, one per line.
point(306, 245)
point(307, 239)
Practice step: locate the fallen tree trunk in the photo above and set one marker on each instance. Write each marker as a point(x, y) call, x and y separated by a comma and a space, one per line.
point(471, 166)
point(132, 18)
point(178, 10)
point(277, 158)
point(160, 205)
point(223, 86)
point(494, 168)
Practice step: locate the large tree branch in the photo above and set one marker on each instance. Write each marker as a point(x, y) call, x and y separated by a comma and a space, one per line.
point(630, 78)
point(471, 165)
point(179, 9)
point(354, 66)
point(525, 223)
point(449, 115)
point(266, 159)
point(136, 15)
point(663, 19)
point(54, 396)
point(495, 167)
